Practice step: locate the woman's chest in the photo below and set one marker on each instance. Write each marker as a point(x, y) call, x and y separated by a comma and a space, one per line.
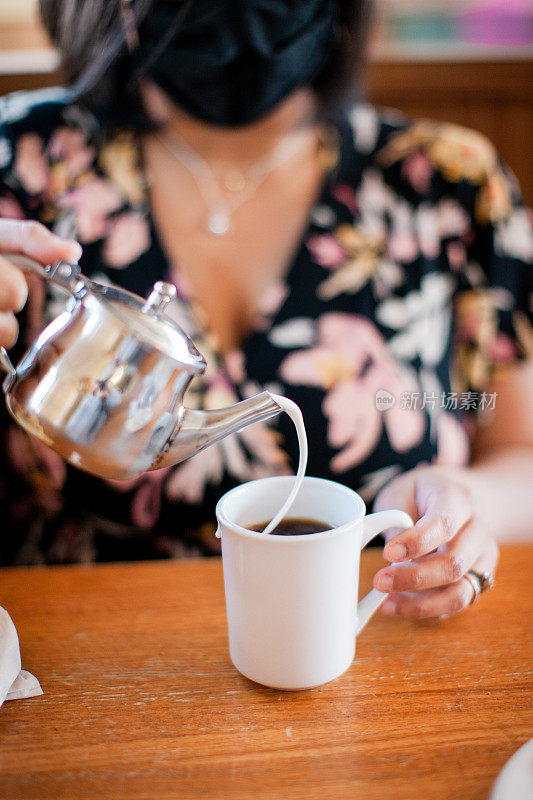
point(229, 278)
point(229, 272)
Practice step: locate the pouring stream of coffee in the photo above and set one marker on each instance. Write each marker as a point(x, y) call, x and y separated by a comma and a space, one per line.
point(295, 414)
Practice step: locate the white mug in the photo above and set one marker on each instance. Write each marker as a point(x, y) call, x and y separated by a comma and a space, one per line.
point(291, 601)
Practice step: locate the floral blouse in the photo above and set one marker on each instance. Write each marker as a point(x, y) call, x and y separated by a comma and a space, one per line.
point(412, 282)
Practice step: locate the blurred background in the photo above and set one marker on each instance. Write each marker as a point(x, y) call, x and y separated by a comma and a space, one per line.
point(465, 61)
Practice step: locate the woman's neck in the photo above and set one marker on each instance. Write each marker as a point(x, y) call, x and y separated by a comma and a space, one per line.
point(236, 146)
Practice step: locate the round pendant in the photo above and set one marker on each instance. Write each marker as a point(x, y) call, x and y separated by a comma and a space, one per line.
point(234, 181)
point(218, 222)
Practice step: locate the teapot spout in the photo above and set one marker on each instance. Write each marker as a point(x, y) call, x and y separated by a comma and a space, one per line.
point(199, 429)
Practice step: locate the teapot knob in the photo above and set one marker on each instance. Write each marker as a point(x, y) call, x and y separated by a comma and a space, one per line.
point(160, 296)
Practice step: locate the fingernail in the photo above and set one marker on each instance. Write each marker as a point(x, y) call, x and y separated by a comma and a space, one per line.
point(23, 296)
point(383, 582)
point(389, 607)
point(77, 251)
point(74, 247)
point(396, 552)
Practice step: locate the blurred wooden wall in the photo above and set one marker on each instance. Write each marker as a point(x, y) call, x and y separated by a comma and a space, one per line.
point(495, 97)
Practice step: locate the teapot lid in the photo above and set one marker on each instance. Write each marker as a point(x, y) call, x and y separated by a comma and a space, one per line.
point(147, 320)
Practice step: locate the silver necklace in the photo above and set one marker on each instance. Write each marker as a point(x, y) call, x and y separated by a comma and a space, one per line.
point(223, 193)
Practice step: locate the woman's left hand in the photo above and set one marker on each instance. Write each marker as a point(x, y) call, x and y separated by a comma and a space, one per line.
point(449, 538)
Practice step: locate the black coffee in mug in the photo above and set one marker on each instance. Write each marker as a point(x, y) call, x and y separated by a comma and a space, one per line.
point(293, 526)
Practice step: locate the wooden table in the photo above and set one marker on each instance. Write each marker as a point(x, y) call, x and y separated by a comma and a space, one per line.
point(141, 700)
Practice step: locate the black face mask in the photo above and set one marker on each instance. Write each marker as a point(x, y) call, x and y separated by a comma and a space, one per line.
point(232, 61)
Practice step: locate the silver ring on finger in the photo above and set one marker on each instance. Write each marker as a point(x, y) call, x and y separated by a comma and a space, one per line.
point(479, 581)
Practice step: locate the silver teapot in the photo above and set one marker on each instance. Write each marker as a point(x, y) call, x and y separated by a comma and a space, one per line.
point(103, 384)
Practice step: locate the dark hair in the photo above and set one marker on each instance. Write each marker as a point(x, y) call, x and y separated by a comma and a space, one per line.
point(91, 40)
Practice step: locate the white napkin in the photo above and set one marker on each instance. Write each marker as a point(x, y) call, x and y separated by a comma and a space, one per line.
point(515, 781)
point(15, 683)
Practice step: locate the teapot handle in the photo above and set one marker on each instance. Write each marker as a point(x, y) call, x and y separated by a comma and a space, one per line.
point(61, 273)
point(6, 364)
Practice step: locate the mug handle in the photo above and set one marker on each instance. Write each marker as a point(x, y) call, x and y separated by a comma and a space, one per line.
point(372, 525)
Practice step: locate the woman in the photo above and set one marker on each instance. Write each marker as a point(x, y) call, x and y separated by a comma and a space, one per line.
point(346, 259)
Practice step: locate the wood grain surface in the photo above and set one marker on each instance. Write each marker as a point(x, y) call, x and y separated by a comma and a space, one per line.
point(141, 700)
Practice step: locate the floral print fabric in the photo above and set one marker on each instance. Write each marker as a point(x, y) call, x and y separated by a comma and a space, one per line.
point(412, 280)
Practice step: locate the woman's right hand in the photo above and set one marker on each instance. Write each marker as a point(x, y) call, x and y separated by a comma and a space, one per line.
point(35, 241)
